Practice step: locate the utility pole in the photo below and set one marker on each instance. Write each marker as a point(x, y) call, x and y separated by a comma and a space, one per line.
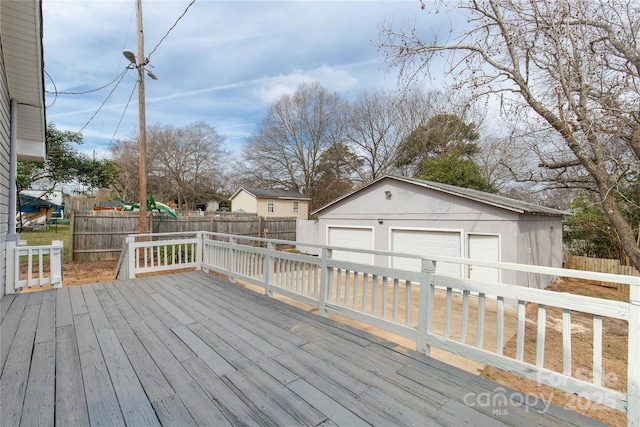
point(142, 138)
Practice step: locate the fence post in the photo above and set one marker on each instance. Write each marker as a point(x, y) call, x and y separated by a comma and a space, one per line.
point(425, 306)
point(131, 254)
point(57, 254)
point(232, 259)
point(633, 360)
point(325, 276)
point(11, 273)
point(268, 267)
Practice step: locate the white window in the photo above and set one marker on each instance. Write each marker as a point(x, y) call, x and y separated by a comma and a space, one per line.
point(271, 206)
point(296, 207)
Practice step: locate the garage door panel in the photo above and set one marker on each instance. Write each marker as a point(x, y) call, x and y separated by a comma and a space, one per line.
point(351, 237)
point(425, 243)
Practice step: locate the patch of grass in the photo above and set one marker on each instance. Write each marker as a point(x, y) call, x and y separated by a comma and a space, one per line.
point(45, 237)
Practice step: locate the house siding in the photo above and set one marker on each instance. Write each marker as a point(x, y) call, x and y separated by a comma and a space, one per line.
point(283, 207)
point(244, 201)
point(5, 146)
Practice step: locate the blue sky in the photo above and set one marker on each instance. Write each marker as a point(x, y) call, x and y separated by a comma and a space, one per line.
point(225, 62)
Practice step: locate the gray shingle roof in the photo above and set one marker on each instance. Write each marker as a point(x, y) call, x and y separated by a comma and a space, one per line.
point(467, 193)
point(274, 193)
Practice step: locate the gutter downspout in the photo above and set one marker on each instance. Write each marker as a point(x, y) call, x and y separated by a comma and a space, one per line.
point(13, 173)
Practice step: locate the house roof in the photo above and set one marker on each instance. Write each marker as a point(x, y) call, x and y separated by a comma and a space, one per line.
point(271, 193)
point(496, 200)
point(21, 24)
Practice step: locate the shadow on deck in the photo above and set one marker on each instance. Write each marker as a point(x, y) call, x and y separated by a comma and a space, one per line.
point(192, 349)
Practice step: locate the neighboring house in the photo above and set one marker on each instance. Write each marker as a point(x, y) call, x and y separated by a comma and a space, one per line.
point(407, 215)
point(270, 202)
point(22, 110)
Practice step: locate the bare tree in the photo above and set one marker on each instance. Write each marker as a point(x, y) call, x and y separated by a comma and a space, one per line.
point(189, 159)
point(376, 127)
point(184, 164)
point(569, 66)
point(285, 149)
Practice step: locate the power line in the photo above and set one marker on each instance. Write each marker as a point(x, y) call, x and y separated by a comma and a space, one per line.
point(172, 27)
point(123, 113)
point(107, 98)
point(86, 91)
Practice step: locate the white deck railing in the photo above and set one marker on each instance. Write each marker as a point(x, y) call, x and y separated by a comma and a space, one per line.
point(26, 266)
point(402, 302)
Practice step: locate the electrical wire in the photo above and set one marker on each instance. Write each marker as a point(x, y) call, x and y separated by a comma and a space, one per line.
point(172, 27)
point(90, 90)
point(54, 86)
point(122, 116)
point(105, 101)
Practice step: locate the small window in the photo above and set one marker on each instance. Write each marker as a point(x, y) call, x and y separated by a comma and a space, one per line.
point(271, 206)
point(296, 207)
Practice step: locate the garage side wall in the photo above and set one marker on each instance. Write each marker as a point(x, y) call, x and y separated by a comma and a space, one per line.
point(539, 243)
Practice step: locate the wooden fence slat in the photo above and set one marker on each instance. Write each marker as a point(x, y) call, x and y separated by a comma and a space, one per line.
point(100, 235)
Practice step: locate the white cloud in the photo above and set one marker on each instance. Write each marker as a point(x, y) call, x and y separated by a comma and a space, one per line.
point(334, 79)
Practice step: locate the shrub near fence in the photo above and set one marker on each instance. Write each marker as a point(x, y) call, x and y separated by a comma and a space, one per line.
point(100, 235)
point(600, 265)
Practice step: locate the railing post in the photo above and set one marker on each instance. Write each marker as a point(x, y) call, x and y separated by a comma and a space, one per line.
point(131, 256)
point(232, 259)
point(57, 254)
point(11, 274)
point(326, 275)
point(633, 360)
point(199, 246)
point(425, 306)
point(268, 268)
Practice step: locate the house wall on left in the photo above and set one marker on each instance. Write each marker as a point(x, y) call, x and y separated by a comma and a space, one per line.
point(5, 146)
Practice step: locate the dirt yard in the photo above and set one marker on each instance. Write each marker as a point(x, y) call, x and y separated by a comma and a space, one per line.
point(614, 343)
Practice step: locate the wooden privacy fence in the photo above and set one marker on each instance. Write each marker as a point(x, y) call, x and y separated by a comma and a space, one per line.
point(100, 235)
point(601, 265)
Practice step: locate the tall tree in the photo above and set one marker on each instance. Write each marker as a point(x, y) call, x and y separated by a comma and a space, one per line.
point(65, 164)
point(186, 164)
point(374, 131)
point(455, 169)
point(337, 166)
point(569, 66)
point(285, 149)
point(441, 135)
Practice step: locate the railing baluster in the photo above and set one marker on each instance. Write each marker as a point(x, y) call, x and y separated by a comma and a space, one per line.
point(374, 294)
point(540, 334)
point(396, 285)
point(385, 284)
point(480, 326)
point(500, 326)
point(465, 316)
point(566, 341)
point(407, 303)
point(447, 313)
point(597, 349)
point(522, 318)
point(365, 289)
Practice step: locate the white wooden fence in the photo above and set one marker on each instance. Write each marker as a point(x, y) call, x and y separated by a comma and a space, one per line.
point(32, 259)
point(387, 297)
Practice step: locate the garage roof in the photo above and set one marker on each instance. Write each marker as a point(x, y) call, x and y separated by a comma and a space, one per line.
point(271, 193)
point(467, 193)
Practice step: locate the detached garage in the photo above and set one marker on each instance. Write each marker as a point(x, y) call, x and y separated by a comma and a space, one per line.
point(406, 215)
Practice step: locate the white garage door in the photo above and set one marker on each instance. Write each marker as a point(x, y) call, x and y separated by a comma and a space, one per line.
point(486, 248)
point(351, 237)
point(424, 242)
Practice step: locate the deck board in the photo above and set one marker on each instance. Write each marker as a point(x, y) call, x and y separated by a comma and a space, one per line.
point(193, 349)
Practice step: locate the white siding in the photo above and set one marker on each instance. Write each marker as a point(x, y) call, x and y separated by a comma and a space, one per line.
point(4, 171)
point(244, 201)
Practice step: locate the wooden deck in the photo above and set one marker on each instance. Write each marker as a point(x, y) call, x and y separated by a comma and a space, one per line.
point(191, 349)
